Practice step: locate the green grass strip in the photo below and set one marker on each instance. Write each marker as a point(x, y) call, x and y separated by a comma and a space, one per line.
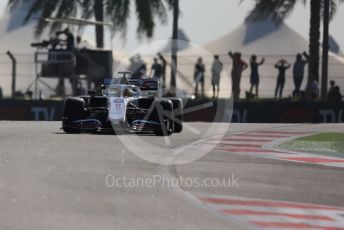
point(324, 144)
point(337, 137)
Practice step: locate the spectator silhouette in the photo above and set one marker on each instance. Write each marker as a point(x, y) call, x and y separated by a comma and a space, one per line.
point(298, 72)
point(254, 78)
point(135, 63)
point(334, 94)
point(140, 72)
point(163, 70)
point(332, 86)
point(282, 65)
point(78, 42)
point(132, 64)
point(199, 76)
point(55, 41)
point(138, 67)
point(238, 67)
point(337, 94)
point(156, 69)
point(216, 70)
point(70, 43)
point(60, 88)
point(81, 43)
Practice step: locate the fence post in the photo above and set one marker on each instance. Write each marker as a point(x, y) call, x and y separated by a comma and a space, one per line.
point(14, 72)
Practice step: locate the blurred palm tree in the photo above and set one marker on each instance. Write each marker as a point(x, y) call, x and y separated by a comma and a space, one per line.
point(116, 11)
point(174, 4)
point(278, 10)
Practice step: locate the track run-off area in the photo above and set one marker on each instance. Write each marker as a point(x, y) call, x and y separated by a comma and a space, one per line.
point(52, 180)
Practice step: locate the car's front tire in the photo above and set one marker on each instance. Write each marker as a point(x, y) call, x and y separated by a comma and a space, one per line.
point(70, 130)
point(74, 109)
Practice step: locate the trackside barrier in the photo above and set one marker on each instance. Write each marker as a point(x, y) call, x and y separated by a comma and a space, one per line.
point(268, 111)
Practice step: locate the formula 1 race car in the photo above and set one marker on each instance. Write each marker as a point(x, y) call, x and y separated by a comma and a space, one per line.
point(132, 106)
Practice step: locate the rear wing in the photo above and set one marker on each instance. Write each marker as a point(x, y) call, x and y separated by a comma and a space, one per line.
point(145, 84)
point(148, 87)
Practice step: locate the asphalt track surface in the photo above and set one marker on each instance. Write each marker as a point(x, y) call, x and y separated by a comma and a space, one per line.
point(51, 180)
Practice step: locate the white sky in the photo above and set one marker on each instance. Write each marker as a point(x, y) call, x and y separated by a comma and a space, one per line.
point(205, 20)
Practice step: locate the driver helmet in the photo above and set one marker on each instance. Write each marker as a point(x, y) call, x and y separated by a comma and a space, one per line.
point(127, 92)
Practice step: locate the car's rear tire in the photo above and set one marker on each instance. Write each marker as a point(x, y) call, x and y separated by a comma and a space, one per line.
point(178, 111)
point(164, 133)
point(163, 109)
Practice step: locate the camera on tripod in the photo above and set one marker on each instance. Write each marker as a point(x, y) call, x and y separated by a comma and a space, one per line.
point(41, 45)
